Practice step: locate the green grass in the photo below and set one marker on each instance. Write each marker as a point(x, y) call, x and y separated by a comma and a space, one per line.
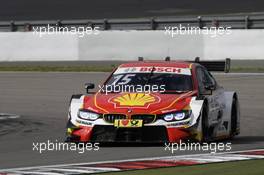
point(247, 69)
point(251, 167)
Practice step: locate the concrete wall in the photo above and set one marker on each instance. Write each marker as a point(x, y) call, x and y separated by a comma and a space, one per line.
point(128, 45)
point(131, 44)
point(23, 46)
point(241, 44)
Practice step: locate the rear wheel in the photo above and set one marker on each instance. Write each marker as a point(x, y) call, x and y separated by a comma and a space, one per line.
point(234, 111)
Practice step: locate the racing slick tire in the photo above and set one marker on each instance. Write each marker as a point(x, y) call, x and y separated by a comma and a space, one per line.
point(204, 135)
point(234, 116)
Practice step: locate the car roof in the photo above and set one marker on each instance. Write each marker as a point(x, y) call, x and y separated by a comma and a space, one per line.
point(178, 64)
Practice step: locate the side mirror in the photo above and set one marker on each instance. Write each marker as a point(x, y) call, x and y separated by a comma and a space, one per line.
point(88, 86)
point(210, 87)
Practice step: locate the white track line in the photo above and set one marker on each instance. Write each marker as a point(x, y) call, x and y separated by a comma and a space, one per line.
point(4, 116)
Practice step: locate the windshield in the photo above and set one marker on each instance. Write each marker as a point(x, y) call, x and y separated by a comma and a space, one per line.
point(166, 81)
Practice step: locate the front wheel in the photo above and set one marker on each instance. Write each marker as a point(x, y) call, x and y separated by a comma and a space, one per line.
point(203, 135)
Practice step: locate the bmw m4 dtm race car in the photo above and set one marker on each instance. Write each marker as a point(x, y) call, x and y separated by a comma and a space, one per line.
point(163, 101)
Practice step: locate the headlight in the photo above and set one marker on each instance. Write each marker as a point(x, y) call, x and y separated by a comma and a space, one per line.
point(177, 116)
point(88, 115)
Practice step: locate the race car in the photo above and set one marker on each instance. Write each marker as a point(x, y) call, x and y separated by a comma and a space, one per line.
point(156, 101)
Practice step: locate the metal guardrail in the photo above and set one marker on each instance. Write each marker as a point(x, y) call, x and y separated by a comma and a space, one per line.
point(233, 21)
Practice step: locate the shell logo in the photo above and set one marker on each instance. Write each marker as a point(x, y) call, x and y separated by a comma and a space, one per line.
point(135, 99)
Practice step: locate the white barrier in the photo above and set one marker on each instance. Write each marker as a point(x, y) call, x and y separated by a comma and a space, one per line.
point(128, 45)
point(23, 46)
point(241, 44)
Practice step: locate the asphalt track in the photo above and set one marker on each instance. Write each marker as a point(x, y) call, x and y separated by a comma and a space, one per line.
point(42, 101)
point(100, 9)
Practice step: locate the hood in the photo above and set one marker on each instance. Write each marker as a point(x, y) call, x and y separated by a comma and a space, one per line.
point(137, 103)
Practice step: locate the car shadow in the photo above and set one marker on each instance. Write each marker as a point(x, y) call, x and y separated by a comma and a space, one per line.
point(235, 141)
point(128, 144)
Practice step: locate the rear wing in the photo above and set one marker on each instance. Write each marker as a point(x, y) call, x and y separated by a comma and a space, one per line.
point(217, 66)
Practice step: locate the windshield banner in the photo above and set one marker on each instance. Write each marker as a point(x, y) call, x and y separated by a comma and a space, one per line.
point(165, 70)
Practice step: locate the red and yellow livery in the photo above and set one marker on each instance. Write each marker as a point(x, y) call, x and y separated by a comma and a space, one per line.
point(186, 103)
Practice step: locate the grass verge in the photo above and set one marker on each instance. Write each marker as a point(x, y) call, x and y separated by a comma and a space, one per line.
point(250, 167)
point(247, 69)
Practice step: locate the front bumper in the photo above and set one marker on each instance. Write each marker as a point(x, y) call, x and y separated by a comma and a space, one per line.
point(109, 133)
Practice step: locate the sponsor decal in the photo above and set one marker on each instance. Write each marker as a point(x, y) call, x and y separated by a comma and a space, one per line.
point(128, 123)
point(84, 122)
point(185, 123)
point(134, 100)
point(168, 70)
point(129, 110)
